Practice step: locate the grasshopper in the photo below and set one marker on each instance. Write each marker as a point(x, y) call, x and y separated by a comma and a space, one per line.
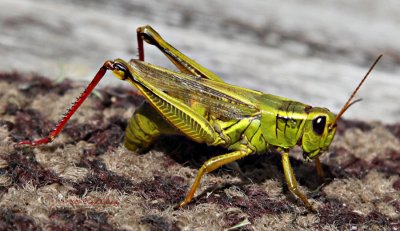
point(196, 103)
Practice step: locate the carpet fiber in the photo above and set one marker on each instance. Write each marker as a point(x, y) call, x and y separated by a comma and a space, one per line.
point(86, 179)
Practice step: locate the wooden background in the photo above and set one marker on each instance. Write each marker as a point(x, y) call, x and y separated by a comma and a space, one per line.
point(310, 51)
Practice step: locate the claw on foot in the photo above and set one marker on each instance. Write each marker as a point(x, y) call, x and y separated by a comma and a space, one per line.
point(32, 143)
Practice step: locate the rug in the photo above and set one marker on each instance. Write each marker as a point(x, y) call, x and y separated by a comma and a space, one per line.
point(86, 180)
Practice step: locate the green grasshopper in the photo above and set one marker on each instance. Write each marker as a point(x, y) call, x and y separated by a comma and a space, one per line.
point(196, 103)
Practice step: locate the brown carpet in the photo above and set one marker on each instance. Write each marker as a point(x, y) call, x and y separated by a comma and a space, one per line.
point(87, 180)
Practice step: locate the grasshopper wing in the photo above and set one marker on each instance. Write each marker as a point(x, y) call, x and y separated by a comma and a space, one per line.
point(218, 99)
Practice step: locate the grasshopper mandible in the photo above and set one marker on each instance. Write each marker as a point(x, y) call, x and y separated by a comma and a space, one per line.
point(196, 103)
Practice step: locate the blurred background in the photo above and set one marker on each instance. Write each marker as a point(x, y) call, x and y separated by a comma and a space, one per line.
point(312, 51)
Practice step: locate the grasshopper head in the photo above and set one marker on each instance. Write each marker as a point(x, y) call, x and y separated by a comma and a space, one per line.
point(320, 126)
point(319, 130)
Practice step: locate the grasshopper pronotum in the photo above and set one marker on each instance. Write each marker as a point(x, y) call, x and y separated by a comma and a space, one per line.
point(198, 104)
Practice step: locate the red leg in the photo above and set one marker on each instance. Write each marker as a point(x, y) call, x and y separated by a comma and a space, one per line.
point(140, 45)
point(108, 65)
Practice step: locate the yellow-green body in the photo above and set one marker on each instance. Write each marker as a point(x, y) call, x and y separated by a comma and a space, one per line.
point(261, 125)
point(196, 103)
point(230, 115)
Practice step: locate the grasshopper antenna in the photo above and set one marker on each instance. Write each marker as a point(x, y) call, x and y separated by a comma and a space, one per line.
point(349, 102)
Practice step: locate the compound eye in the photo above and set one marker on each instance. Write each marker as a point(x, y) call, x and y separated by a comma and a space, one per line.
point(318, 125)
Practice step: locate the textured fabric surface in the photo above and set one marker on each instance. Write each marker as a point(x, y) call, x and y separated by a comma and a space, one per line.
point(86, 179)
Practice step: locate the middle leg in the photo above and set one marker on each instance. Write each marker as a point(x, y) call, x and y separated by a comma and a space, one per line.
point(211, 165)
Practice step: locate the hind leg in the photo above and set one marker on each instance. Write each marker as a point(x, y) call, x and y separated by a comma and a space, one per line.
point(144, 126)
